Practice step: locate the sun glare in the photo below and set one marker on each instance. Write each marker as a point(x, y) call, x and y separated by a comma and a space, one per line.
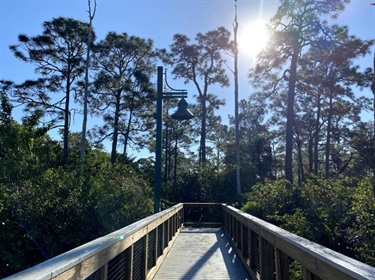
point(252, 38)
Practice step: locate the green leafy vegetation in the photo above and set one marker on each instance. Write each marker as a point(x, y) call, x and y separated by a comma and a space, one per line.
point(47, 209)
point(338, 214)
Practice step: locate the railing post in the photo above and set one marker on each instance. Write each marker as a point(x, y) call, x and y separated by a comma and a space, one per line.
point(266, 259)
point(224, 219)
point(250, 249)
point(242, 233)
point(307, 274)
point(183, 215)
point(168, 231)
point(181, 218)
point(163, 237)
point(146, 255)
point(253, 246)
point(240, 237)
point(282, 265)
point(174, 225)
point(236, 241)
point(232, 227)
point(104, 272)
point(156, 247)
point(131, 260)
point(227, 221)
point(245, 242)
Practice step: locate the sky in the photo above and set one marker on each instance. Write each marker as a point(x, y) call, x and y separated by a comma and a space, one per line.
point(160, 20)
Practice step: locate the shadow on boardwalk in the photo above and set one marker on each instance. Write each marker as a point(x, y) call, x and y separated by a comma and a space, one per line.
point(202, 253)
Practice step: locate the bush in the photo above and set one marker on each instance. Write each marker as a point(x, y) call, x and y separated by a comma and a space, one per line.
point(362, 230)
point(338, 214)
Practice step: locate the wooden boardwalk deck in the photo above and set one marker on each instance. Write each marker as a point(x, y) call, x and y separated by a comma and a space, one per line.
point(202, 253)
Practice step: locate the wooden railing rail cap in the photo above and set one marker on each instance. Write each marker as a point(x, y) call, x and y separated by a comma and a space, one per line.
point(207, 204)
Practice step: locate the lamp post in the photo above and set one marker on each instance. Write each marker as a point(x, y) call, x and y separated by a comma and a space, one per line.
point(182, 113)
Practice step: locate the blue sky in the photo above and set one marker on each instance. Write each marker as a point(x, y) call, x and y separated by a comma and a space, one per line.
point(158, 20)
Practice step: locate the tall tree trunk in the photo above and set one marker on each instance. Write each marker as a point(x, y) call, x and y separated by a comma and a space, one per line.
point(203, 132)
point(310, 150)
point(115, 129)
point(373, 135)
point(85, 95)
point(236, 120)
point(301, 175)
point(328, 138)
point(316, 142)
point(166, 157)
point(175, 168)
point(170, 155)
point(66, 121)
point(127, 133)
point(290, 117)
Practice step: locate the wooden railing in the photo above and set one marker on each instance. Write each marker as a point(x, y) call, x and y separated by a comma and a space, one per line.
point(134, 252)
point(137, 251)
point(269, 252)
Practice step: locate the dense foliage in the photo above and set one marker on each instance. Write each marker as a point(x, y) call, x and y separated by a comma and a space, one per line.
point(304, 123)
point(338, 214)
point(44, 204)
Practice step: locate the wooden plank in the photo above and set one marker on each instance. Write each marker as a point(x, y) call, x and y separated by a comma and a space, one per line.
point(202, 253)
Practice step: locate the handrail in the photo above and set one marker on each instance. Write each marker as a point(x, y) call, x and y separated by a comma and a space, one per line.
point(267, 250)
point(137, 251)
point(143, 245)
point(198, 214)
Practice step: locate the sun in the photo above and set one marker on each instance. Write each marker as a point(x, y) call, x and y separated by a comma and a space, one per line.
point(252, 38)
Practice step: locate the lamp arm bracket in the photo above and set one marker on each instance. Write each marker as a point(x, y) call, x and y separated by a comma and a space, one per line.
point(166, 83)
point(171, 94)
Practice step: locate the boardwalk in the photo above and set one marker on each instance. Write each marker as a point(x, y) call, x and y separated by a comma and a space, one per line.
point(202, 254)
